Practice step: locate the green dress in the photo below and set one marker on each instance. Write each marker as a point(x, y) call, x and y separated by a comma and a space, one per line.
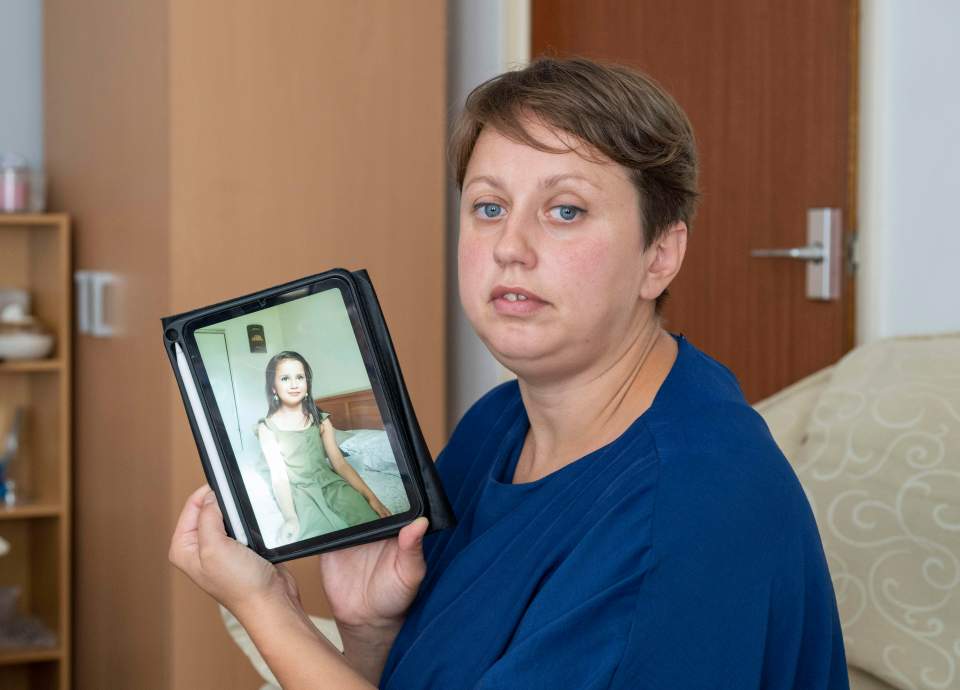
point(324, 501)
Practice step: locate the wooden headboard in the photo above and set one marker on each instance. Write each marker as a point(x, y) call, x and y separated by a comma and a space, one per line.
point(356, 410)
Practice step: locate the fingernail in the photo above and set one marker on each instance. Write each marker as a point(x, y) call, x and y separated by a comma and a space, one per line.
point(210, 497)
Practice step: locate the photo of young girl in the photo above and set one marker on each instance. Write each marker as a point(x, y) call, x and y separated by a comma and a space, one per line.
point(315, 488)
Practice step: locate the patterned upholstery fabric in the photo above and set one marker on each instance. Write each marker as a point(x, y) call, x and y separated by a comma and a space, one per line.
point(879, 458)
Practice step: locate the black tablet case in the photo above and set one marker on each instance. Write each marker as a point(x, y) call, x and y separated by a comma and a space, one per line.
point(436, 507)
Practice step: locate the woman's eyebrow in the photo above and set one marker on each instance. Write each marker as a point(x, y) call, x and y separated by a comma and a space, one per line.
point(489, 179)
point(545, 183)
point(554, 180)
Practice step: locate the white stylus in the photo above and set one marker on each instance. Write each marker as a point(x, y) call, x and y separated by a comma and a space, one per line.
point(233, 515)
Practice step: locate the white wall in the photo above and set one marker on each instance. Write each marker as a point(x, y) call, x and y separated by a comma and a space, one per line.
point(909, 279)
point(21, 79)
point(485, 38)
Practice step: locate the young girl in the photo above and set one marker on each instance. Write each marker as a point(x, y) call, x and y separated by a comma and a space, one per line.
point(317, 490)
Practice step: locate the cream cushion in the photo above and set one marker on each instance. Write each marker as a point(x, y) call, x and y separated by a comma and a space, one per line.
point(327, 626)
point(879, 458)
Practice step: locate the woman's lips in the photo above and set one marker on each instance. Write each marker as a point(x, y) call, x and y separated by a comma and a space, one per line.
point(515, 301)
point(503, 290)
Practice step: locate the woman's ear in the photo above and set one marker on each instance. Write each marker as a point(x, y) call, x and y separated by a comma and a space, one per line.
point(663, 260)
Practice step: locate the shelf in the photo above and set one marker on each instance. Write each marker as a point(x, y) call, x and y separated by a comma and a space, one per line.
point(28, 655)
point(30, 510)
point(30, 365)
point(35, 257)
point(21, 219)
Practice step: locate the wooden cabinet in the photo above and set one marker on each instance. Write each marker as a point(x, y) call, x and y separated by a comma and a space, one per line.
point(35, 256)
point(207, 150)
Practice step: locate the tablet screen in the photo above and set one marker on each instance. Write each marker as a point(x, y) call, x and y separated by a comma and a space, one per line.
point(297, 395)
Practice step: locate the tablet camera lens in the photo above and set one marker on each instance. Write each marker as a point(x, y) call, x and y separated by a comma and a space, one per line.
point(171, 335)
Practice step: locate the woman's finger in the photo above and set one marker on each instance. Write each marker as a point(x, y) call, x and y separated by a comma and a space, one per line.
point(185, 533)
point(410, 535)
point(191, 510)
point(210, 529)
point(410, 564)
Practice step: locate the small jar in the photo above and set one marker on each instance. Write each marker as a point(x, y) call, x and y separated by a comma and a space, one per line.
point(14, 185)
point(37, 203)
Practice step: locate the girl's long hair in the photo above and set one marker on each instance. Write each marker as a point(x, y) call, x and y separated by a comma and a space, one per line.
point(273, 402)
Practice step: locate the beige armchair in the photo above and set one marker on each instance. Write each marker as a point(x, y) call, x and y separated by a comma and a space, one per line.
point(875, 440)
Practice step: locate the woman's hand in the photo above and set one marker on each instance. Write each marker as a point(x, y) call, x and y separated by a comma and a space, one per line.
point(223, 567)
point(378, 507)
point(369, 588)
point(372, 585)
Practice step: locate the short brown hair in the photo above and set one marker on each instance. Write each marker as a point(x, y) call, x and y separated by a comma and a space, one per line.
point(617, 111)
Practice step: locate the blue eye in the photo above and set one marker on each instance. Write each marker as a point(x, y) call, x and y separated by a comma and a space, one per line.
point(488, 209)
point(567, 212)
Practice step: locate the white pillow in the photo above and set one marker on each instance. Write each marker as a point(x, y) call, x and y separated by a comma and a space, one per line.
point(372, 448)
point(342, 435)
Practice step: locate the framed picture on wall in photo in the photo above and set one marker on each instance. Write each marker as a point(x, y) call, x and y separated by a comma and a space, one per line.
point(258, 341)
point(302, 419)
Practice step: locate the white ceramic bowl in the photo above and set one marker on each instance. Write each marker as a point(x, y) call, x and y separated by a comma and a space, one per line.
point(25, 345)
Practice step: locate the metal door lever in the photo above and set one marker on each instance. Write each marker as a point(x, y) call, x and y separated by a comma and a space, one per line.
point(813, 252)
point(823, 252)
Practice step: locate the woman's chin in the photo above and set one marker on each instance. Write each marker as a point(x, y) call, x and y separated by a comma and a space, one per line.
point(519, 354)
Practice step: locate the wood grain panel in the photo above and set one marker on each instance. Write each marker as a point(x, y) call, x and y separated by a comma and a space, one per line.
point(767, 87)
point(208, 150)
point(305, 135)
point(107, 158)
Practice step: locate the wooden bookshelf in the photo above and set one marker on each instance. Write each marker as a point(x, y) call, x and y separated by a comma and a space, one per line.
point(35, 256)
point(30, 510)
point(25, 366)
point(29, 655)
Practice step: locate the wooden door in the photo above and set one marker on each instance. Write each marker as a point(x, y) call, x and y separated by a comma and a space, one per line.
point(769, 89)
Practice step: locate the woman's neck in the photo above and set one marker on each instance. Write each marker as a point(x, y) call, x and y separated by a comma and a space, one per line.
point(572, 417)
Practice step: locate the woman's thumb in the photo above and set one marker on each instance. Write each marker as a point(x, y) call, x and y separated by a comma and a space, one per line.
point(410, 552)
point(210, 527)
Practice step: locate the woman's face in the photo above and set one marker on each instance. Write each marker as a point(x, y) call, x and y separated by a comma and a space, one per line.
point(290, 382)
point(552, 268)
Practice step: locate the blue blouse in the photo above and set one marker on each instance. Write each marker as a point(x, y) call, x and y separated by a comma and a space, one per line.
point(683, 554)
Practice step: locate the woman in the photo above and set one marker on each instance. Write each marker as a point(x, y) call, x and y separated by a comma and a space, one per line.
point(316, 490)
point(626, 520)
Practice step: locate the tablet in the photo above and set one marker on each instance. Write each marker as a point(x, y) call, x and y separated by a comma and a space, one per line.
point(301, 417)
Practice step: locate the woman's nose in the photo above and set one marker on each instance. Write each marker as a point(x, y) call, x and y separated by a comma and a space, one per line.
point(514, 246)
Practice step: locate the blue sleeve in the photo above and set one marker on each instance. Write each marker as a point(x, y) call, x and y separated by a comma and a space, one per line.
point(740, 595)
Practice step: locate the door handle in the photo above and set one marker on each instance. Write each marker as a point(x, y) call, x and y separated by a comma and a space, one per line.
point(813, 252)
point(91, 299)
point(823, 253)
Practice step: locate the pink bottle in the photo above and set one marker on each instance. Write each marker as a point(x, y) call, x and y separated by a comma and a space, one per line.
point(14, 184)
